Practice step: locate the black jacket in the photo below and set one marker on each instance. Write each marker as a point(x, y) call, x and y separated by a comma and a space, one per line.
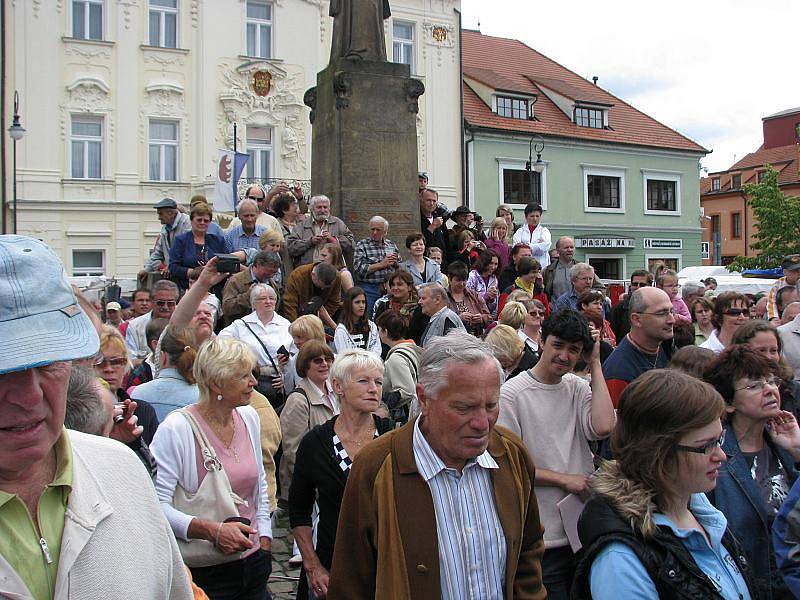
point(667, 561)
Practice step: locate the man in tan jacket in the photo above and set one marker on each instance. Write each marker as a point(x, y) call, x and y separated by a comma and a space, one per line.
point(399, 536)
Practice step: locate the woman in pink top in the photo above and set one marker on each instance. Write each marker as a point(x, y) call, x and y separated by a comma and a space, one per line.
point(238, 559)
point(668, 281)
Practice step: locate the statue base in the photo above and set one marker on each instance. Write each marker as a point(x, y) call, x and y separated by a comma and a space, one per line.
point(364, 144)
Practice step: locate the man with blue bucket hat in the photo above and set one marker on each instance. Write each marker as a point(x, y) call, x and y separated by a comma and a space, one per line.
point(79, 516)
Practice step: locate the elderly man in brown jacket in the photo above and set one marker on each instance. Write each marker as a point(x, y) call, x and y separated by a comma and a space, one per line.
point(319, 227)
point(414, 495)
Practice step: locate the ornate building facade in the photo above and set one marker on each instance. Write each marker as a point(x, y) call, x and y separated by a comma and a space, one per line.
point(125, 102)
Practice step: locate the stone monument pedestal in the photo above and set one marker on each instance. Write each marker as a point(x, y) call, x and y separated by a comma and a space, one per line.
point(364, 148)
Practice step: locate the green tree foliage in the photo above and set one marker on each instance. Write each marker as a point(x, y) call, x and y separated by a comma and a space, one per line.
point(777, 224)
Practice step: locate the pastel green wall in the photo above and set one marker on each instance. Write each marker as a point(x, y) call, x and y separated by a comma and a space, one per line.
point(565, 214)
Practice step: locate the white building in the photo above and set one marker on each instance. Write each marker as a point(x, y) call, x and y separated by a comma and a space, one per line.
point(125, 102)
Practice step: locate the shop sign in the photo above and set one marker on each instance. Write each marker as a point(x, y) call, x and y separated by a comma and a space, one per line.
point(605, 242)
point(662, 244)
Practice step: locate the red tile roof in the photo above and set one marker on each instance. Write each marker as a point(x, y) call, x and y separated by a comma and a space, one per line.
point(784, 159)
point(518, 64)
point(498, 82)
point(572, 92)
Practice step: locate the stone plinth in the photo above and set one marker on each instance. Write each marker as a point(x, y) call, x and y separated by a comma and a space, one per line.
point(364, 152)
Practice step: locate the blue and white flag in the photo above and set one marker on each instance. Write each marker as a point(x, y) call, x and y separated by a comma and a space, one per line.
point(229, 168)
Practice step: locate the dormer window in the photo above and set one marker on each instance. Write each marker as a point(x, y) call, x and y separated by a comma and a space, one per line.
point(715, 184)
point(589, 117)
point(513, 108)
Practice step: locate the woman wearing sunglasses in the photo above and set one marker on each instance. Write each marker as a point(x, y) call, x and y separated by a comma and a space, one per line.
point(311, 403)
point(649, 531)
point(731, 311)
point(762, 443)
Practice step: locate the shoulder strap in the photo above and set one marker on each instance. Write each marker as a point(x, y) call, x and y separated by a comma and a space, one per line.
point(269, 356)
point(209, 456)
point(404, 352)
point(303, 393)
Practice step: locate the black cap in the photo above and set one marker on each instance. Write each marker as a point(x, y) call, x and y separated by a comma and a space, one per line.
point(424, 175)
point(791, 262)
point(166, 203)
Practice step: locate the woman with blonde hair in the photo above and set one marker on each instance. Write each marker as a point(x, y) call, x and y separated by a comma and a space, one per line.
point(303, 329)
point(272, 241)
point(175, 385)
point(112, 365)
point(649, 531)
point(229, 555)
point(323, 463)
point(498, 232)
point(513, 315)
point(506, 347)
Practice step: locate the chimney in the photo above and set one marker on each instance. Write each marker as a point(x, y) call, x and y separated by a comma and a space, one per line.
point(594, 79)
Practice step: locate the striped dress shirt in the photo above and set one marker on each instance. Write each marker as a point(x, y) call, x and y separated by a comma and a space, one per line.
point(472, 545)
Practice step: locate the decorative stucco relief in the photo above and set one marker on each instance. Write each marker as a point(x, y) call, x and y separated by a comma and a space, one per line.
point(163, 99)
point(127, 7)
point(282, 109)
point(86, 94)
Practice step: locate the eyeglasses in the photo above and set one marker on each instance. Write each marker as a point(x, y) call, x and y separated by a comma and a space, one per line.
point(256, 198)
point(321, 360)
point(661, 314)
point(705, 448)
point(100, 360)
point(163, 303)
point(202, 220)
point(759, 385)
point(737, 312)
point(536, 313)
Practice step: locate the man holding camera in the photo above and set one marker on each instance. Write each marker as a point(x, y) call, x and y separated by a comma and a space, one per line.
point(375, 257)
point(316, 230)
point(432, 218)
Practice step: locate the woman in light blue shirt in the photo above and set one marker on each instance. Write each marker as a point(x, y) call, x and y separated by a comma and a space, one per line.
point(175, 386)
point(649, 531)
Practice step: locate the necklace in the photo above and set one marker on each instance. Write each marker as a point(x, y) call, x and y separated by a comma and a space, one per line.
point(218, 433)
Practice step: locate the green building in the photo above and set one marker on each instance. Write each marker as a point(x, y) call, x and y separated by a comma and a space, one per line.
point(625, 186)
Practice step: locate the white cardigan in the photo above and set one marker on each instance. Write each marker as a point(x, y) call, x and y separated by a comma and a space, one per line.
point(174, 450)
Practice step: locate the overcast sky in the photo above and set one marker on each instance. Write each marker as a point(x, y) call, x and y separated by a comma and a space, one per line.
point(711, 69)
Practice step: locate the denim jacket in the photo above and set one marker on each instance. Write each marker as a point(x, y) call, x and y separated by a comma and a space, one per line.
point(738, 497)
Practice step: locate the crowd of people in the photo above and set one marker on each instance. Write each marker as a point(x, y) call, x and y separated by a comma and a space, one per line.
point(473, 420)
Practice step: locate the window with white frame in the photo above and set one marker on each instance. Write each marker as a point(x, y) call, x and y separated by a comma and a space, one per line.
point(403, 43)
point(163, 20)
point(518, 186)
point(259, 29)
point(514, 108)
point(86, 147)
point(162, 147)
point(589, 117)
point(88, 263)
point(603, 189)
point(87, 19)
point(259, 147)
point(662, 193)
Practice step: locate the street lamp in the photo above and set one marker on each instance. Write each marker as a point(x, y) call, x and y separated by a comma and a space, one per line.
point(16, 131)
point(536, 145)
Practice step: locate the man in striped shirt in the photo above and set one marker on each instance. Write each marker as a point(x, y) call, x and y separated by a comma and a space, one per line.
point(443, 507)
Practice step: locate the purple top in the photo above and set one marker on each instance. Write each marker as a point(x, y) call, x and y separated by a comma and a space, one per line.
point(503, 251)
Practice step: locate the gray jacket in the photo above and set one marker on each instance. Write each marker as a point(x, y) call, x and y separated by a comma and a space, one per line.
point(432, 274)
point(160, 253)
point(442, 322)
point(302, 250)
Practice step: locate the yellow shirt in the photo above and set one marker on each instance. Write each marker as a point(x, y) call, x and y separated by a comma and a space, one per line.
point(33, 557)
